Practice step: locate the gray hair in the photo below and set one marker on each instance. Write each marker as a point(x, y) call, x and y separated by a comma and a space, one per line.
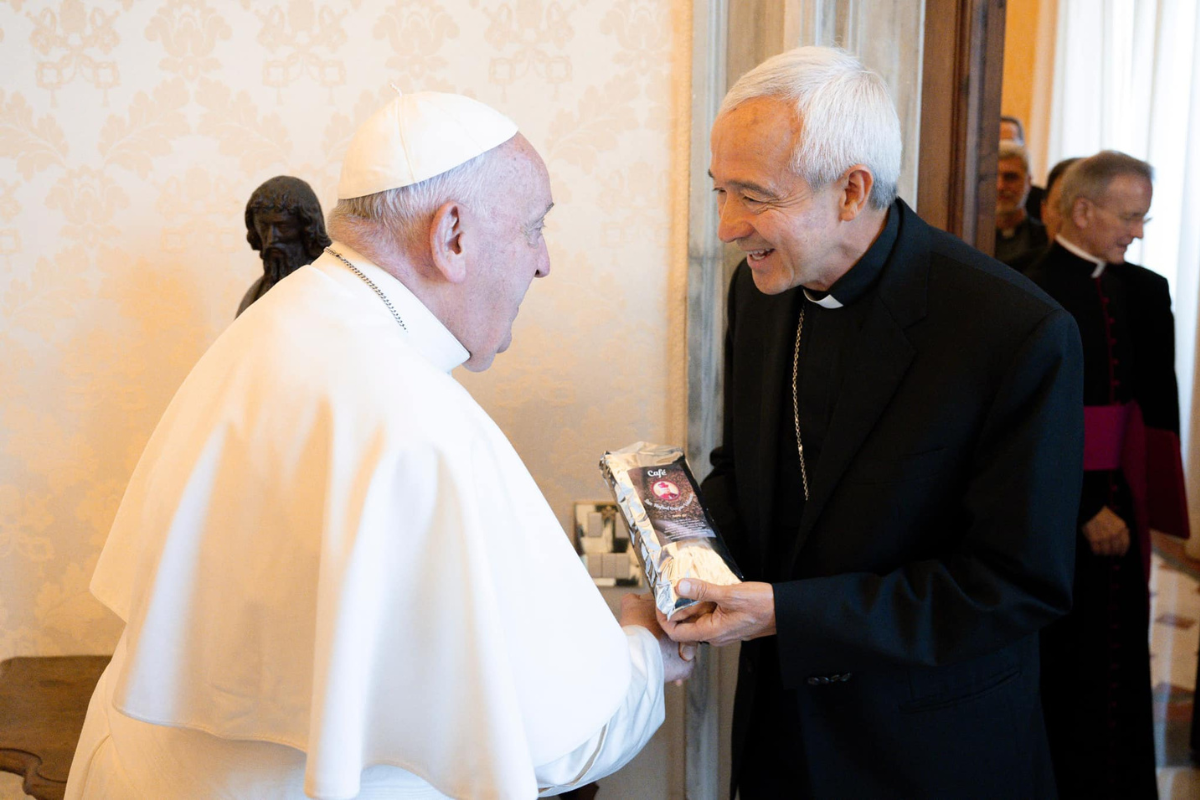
point(1010, 149)
point(1090, 177)
point(847, 116)
point(396, 221)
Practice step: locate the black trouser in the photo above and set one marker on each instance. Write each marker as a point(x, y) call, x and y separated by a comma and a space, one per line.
point(772, 764)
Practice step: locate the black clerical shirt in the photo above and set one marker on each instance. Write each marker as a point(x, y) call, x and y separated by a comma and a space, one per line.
point(1028, 237)
point(832, 321)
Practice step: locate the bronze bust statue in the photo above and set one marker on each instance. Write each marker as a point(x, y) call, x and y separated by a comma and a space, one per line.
point(285, 225)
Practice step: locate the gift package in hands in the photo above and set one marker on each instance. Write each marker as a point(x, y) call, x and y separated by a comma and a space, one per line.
point(669, 526)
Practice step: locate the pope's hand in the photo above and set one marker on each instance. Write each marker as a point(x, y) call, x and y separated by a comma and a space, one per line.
point(678, 659)
point(722, 614)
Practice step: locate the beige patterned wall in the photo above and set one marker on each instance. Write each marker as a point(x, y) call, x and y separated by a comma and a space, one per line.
point(131, 135)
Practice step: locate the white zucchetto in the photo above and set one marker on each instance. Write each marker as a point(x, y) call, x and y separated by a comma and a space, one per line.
point(417, 136)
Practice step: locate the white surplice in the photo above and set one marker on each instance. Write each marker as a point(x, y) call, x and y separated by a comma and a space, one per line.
point(329, 560)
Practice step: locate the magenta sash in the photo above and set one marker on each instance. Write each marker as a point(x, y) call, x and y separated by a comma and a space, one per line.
point(1104, 435)
point(1116, 437)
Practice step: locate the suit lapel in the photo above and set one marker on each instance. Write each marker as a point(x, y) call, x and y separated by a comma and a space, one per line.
point(877, 363)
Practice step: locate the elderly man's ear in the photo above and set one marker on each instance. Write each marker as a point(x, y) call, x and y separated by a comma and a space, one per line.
point(446, 242)
point(856, 192)
point(1081, 213)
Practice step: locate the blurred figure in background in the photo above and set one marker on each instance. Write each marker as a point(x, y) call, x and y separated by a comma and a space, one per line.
point(1017, 233)
point(1011, 130)
point(1051, 217)
point(1051, 214)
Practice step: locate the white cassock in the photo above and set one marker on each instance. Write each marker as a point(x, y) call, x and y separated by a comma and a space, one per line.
point(339, 579)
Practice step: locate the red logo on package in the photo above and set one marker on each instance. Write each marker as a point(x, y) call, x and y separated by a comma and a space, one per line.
point(665, 490)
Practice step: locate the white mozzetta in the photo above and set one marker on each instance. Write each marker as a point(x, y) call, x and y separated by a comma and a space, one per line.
point(328, 545)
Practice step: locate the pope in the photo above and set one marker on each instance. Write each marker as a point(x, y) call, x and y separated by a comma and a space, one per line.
point(338, 579)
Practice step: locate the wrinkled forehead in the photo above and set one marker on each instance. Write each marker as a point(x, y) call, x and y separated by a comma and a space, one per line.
point(765, 117)
point(753, 139)
point(518, 181)
point(519, 159)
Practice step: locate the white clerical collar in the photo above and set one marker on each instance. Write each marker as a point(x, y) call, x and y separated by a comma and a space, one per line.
point(828, 301)
point(1084, 254)
point(425, 331)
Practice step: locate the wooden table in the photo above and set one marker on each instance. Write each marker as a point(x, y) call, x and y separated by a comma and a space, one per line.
point(43, 701)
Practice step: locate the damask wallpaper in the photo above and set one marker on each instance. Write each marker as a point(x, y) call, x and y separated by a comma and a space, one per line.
point(131, 135)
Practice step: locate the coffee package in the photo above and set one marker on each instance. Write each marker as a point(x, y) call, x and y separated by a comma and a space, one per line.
point(670, 528)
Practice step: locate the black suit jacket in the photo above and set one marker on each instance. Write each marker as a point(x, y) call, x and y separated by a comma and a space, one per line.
point(939, 534)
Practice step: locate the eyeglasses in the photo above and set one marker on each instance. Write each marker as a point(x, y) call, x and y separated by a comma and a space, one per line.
point(1128, 220)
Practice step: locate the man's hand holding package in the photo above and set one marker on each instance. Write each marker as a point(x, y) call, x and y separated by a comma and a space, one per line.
point(678, 659)
point(722, 614)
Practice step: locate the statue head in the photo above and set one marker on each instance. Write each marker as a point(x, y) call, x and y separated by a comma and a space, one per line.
point(284, 224)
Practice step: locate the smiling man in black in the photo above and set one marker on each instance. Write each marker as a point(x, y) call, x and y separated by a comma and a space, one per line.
point(897, 473)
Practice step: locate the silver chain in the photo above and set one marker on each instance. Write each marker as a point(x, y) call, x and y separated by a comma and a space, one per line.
point(796, 403)
point(374, 288)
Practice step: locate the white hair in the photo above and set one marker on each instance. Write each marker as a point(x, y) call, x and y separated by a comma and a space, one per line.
point(846, 115)
point(1010, 149)
point(396, 221)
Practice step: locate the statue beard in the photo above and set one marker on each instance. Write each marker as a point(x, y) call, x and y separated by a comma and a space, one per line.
point(281, 261)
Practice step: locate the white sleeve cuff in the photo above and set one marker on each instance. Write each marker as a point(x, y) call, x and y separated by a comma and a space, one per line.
point(626, 733)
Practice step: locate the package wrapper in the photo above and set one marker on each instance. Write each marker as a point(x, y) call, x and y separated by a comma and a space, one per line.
point(670, 528)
